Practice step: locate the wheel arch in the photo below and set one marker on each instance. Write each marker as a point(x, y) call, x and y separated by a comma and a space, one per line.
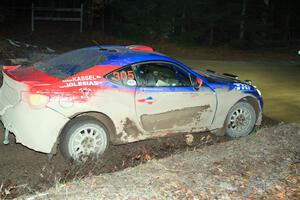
point(220, 131)
point(254, 102)
point(102, 118)
point(97, 115)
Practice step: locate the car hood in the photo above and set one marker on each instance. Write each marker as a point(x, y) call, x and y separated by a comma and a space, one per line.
point(214, 77)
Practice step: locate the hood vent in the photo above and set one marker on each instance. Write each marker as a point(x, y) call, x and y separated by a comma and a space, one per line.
point(231, 75)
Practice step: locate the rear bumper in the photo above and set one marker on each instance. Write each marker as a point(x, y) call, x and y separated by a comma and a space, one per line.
point(4, 103)
point(37, 129)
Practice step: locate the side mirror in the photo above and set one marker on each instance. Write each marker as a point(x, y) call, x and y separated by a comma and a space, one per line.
point(198, 83)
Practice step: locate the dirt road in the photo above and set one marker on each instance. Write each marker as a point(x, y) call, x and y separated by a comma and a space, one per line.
point(23, 170)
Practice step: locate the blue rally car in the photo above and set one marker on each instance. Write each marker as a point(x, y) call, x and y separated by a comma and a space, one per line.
point(86, 99)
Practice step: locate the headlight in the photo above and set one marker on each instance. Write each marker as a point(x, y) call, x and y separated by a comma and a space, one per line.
point(258, 91)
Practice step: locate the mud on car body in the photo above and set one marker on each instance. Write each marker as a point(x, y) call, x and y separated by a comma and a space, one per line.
point(88, 98)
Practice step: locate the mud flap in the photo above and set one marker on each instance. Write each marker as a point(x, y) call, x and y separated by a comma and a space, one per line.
point(6, 135)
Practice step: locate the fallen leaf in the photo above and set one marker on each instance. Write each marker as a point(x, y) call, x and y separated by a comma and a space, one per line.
point(137, 157)
point(208, 138)
point(280, 192)
point(148, 157)
point(248, 174)
point(6, 192)
point(189, 138)
point(93, 182)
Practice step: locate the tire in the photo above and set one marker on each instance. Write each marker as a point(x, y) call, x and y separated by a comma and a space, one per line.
point(84, 137)
point(240, 120)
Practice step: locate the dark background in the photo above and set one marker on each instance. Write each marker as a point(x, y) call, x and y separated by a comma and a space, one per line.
point(237, 23)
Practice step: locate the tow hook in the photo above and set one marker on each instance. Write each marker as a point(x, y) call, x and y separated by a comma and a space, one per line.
point(6, 134)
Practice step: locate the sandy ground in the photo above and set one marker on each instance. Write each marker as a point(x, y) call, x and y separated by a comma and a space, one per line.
point(265, 165)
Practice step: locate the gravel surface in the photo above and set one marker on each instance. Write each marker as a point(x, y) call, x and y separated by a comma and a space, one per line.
point(264, 165)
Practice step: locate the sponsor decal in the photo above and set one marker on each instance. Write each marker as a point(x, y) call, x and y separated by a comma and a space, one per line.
point(84, 83)
point(85, 92)
point(148, 100)
point(82, 78)
point(240, 86)
point(131, 82)
point(79, 81)
point(123, 75)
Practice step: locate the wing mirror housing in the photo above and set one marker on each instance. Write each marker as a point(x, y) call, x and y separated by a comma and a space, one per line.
point(198, 83)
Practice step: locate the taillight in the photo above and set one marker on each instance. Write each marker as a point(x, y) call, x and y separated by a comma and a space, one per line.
point(36, 100)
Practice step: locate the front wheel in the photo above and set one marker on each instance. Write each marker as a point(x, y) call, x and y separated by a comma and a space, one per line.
point(83, 137)
point(240, 120)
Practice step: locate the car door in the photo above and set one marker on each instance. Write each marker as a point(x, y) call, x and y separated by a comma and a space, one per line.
point(118, 102)
point(166, 101)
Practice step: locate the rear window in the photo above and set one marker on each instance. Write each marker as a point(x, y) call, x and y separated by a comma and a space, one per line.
point(70, 63)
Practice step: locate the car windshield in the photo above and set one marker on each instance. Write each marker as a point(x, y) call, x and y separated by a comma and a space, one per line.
point(70, 63)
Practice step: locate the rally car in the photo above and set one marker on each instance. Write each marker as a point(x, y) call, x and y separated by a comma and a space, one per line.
point(86, 99)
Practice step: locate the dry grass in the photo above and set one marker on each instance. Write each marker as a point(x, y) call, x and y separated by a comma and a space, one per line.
point(264, 165)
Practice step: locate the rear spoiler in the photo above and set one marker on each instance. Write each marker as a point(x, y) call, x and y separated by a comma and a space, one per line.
point(7, 68)
point(140, 48)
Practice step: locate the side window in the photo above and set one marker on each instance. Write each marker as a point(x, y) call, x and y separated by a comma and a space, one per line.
point(184, 77)
point(124, 76)
point(161, 75)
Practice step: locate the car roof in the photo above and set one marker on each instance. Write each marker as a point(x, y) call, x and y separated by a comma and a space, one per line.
point(122, 55)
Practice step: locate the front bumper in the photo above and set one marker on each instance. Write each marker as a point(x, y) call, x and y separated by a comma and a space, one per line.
point(38, 129)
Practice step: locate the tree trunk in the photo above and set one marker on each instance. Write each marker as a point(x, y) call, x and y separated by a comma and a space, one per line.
point(183, 19)
point(89, 12)
point(112, 18)
point(103, 21)
point(211, 35)
point(287, 28)
point(242, 22)
point(265, 18)
point(267, 2)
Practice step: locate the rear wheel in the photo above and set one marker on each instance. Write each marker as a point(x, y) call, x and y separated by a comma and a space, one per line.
point(84, 137)
point(240, 120)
